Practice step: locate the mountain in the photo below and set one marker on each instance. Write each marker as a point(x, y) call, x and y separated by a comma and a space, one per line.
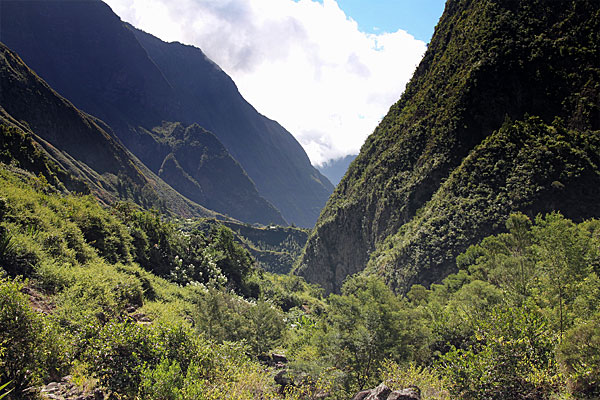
point(270, 155)
point(195, 163)
point(335, 169)
point(44, 133)
point(501, 115)
point(134, 82)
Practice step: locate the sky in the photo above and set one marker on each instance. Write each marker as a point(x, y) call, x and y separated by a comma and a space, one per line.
point(327, 70)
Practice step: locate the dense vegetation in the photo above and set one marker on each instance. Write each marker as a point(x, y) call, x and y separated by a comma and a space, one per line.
point(139, 305)
point(132, 304)
point(526, 165)
point(494, 70)
point(82, 284)
point(275, 248)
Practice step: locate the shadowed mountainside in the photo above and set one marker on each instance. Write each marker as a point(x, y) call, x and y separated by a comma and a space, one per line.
point(134, 82)
point(72, 147)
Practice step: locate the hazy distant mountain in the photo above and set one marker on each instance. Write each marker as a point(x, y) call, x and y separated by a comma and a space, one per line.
point(335, 169)
point(195, 163)
point(134, 82)
point(270, 155)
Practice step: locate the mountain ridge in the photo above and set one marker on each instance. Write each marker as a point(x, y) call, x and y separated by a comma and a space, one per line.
point(116, 73)
point(63, 133)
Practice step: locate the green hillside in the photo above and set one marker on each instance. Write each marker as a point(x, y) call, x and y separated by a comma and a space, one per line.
point(458, 259)
point(125, 303)
point(490, 65)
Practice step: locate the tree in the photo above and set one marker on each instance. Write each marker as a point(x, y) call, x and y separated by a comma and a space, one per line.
point(366, 325)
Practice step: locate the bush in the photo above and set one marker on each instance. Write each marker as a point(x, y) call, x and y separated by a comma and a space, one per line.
point(579, 357)
point(163, 382)
point(33, 348)
point(119, 355)
point(512, 358)
point(223, 317)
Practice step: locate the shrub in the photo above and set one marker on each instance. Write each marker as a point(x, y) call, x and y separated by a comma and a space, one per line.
point(119, 355)
point(512, 357)
point(579, 357)
point(33, 349)
point(163, 382)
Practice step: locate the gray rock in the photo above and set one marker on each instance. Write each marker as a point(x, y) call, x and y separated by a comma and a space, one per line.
point(382, 392)
point(412, 393)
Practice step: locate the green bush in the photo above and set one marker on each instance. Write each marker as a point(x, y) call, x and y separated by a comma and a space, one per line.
point(579, 357)
point(33, 347)
point(119, 354)
point(224, 317)
point(163, 382)
point(512, 357)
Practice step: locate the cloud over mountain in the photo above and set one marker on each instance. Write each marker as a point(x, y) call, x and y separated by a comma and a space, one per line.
point(303, 63)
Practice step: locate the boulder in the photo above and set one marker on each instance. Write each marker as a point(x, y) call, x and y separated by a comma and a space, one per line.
point(382, 392)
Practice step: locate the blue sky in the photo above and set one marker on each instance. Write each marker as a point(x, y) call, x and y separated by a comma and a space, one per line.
point(417, 17)
point(327, 70)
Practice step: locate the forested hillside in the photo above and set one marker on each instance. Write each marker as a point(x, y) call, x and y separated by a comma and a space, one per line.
point(501, 115)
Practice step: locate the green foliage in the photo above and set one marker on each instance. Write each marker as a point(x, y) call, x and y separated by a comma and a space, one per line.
point(491, 330)
point(433, 385)
point(211, 259)
point(512, 169)
point(496, 119)
point(31, 349)
point(513, 357)
point(224, 317)
point(162, 382)
point(118, 354)
point(7, 392)
point(579, 356)
point(357, 332)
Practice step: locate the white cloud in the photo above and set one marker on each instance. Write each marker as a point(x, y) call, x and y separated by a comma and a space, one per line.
point(302, 63)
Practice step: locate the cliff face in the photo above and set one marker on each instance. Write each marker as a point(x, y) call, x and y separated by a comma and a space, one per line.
point(134, 82)
point(198, 166)
point(458, 152)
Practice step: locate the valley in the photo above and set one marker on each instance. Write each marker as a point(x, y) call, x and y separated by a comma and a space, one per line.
point(162, 239)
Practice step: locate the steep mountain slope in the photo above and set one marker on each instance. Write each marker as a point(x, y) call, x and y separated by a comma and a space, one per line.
point(195, 163)
point(451, 159)
point(270, 155)
point(133, 82)
point(46, 134)
point(275, 248)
